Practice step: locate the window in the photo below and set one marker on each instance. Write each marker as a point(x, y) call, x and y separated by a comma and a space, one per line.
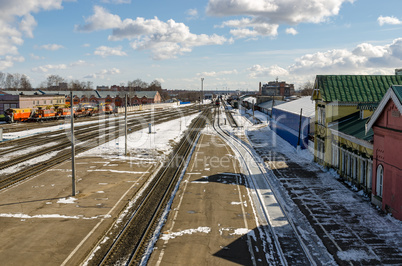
point(335, 156)
point(320, 149)
point(321, 115)
point(363, 166)
point(44, 101)
point(380, 176)
point(354, 167)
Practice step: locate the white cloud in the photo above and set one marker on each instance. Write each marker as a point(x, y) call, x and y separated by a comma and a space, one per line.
point(8, 61)
point(36, 57)
point(245, 27)
point(104, 72)
point(100, 20)
point(108, 51)
point(265, 72)
point(192, 13)
point(51, 47)
point(364, 59)
point(266, 16)
point(164, 39)
point(388, 20)
point(215, 74)
point(291, 31)
point(46, 68)
point(27, 24)
point(16, 19)
point(78, 63)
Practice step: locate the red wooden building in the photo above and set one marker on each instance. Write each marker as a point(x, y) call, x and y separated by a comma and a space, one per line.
point(386, 123)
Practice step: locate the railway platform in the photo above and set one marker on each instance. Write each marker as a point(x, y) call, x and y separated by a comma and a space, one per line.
point(212, 219)
point(41, 224)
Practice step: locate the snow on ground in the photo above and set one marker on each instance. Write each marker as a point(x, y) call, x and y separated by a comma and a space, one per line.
point(19, 166)
point(142, 144)
point(167, 235)
point(65, 124)
point(274, 148)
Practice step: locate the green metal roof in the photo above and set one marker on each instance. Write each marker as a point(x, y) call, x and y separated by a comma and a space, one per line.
point(398, 92)
point(355, 88)
point(352, 125)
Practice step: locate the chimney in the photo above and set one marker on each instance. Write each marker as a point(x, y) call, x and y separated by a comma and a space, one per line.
point(260, 90)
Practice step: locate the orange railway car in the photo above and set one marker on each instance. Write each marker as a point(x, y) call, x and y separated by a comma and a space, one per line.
point(44, 114)
point(18, 114)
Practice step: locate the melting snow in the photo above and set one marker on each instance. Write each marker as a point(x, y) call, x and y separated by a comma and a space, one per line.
point(168, 236)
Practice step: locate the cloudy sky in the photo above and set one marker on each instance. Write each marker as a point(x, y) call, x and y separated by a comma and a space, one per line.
point(232, 44)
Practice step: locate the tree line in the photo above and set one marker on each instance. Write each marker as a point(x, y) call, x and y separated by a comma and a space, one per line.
point(14, 81)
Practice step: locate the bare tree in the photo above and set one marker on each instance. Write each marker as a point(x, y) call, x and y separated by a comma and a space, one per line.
point(24, 83)
point(9, 81)
point(307, 88)
point(54, 80)
point(2, 79)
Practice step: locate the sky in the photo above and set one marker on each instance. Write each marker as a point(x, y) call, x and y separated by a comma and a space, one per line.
point(232, 44)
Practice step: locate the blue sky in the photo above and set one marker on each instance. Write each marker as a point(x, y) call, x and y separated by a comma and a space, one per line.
point(232, 44)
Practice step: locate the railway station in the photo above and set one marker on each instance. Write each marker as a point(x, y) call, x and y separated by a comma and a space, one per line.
point(187, 185)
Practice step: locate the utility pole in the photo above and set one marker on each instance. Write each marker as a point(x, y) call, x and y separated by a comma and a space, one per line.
point(72, 145)
point(125, 126)
point(202, 90)
point(300, 121)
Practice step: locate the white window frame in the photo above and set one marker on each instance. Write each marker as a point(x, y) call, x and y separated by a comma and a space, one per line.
point(380, 180)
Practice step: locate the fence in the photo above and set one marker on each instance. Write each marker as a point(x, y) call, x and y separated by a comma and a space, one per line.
point(145, 107)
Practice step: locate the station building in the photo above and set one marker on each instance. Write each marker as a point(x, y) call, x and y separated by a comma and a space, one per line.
point(386, 125)
point(343, 105)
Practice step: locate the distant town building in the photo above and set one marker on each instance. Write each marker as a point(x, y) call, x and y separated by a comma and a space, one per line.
point(27, 99)
point(102, 88)
point(277, 88)
point(30, 99)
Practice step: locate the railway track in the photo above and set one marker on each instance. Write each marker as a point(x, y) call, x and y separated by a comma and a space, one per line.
point(128, 247)
point(288, 242)
point(341, 230)
point(88, 137)
point(229, 116)
point(11, 147)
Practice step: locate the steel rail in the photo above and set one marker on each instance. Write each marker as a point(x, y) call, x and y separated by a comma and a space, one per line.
point(39, 167)
point(81, 135)
point(33, 139)
point(227, 136)
point(181, 152)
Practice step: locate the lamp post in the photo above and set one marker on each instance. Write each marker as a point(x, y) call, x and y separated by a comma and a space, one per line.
point(202, 90)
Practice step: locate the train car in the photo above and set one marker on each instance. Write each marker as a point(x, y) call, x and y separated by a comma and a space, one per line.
point(17, 114)
point(217, 102)
point(44, 114)
point(63, 112)
point(107, 109)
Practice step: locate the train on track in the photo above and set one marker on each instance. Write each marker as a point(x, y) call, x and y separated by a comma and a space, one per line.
point(51, 112)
